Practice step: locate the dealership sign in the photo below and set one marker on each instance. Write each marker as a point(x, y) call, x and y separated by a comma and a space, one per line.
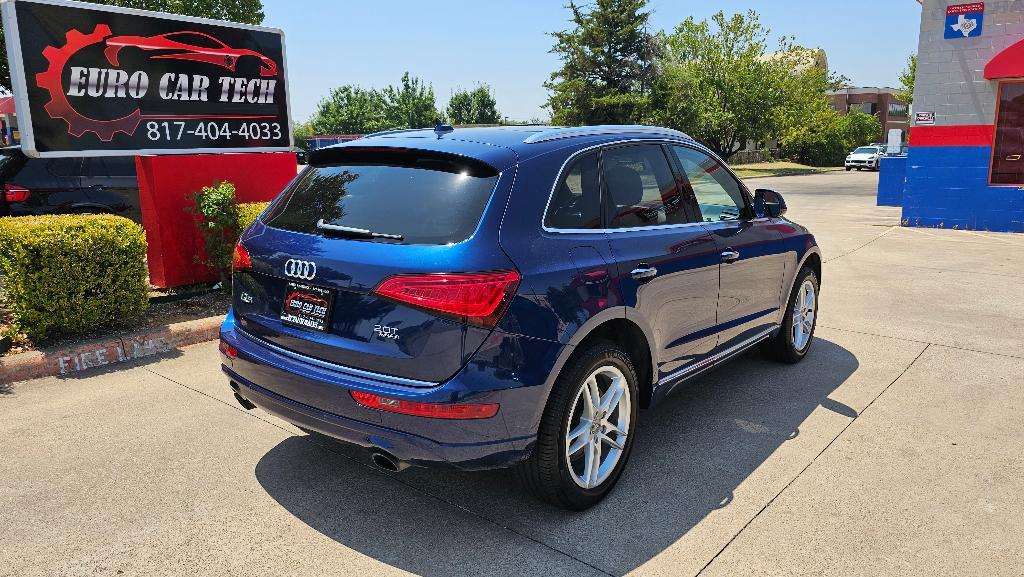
point(91, 80)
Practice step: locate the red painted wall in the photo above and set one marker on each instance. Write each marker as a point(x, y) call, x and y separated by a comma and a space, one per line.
point(165, 183)
point(974, 135)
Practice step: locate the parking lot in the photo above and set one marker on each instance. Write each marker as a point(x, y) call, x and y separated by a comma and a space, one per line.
point(894, 449)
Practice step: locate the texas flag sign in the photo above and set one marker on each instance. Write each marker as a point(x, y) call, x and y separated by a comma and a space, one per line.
point(965, 20)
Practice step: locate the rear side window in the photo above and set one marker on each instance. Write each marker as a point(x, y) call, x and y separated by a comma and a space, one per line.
point(114, 166)
point(576, 203)
point(47, 172)
point(423, 197)
point(641, 188)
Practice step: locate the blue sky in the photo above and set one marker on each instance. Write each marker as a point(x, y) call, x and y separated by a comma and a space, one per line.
point(457, 43)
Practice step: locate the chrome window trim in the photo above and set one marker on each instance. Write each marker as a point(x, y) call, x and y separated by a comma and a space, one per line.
point(697, 368)
point(582, 151)
point(384, 379)
point(608, 129)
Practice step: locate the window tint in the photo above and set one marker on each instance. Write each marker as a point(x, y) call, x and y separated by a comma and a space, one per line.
point(426, 198)
point(118, 166)
point(642, 190)
point(65, 166)
point(576, 203)
point(718, 194)
point(1008, 157)
point(43, 172)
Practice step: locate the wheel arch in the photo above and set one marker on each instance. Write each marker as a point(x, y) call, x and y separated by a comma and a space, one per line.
point(629, 333)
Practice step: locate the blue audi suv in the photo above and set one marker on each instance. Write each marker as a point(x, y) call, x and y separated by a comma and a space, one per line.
point(509, 297)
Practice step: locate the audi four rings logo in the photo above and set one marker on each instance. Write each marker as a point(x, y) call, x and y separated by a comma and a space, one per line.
point(303, 269)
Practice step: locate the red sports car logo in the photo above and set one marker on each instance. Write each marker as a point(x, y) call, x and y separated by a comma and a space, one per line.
point(300, 299)
point(194, 46)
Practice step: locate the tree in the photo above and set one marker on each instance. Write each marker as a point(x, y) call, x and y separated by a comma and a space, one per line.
point(244, 11)
point(350, 110)
point(411, 105)
point(475, 106)
point(355, 110)
point(719, 82)
point(826, 137)
point(607, 65)
point(907, 78)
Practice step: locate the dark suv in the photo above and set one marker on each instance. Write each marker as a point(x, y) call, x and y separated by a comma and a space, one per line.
point(73, 185)
point(497, 297)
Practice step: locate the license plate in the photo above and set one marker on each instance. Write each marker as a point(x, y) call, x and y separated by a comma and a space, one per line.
point(307, 306)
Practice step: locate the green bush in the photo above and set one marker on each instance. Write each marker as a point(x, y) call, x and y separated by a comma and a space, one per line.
point(218, 224)
point(247, 213)
point(69, 274)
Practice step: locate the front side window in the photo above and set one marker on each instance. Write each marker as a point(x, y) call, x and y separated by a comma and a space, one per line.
point(576, 203)
point(642, 191)
point(719, 195)
point(1008, 156)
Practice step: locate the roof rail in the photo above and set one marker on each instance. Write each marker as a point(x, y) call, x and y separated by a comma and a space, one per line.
point(559, 133)
point(394, 131)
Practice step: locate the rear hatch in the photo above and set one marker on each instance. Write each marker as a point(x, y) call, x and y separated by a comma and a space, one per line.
point(356, 227)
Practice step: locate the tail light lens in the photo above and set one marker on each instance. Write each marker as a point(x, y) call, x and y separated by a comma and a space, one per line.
point(431, 410)
point(15, 193)
point(478, 298)
point(240, 259)
point(228, 350)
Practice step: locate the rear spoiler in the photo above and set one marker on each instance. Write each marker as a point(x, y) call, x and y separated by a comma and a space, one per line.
point(402, 156)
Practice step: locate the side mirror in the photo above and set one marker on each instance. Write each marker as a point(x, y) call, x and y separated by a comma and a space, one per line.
point(768, 203)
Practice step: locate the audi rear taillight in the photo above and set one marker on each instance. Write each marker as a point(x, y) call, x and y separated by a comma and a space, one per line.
point(240, 259)
point(431, 410)
point(478, 298)
point(228, 350)
point(15, 193)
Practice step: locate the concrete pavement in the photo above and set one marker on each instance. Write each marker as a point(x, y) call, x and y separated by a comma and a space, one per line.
point(894, 449)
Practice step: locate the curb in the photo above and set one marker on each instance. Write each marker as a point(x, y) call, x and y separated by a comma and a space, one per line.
point(103, 352)
point(788, 175)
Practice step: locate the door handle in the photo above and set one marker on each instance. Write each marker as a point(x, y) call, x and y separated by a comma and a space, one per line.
point(730, 256)
point(1013, 157)
point(644, 272)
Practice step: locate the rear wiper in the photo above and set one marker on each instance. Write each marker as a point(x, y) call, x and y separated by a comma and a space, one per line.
point(353, 232)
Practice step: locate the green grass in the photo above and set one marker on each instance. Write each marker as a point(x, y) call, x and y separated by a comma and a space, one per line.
point(778, 169)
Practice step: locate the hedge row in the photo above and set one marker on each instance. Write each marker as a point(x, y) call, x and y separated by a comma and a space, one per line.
point(247, 213)
point(69, 274)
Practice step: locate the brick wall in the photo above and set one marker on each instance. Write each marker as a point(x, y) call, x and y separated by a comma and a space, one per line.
point(947, 175)
point(950, 81)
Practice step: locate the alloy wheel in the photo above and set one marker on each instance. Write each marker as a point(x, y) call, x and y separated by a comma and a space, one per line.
point(803, 315)
point(595, 434)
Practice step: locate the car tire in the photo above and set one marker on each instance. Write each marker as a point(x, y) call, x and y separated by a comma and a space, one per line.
point(792, 342)
point(568, 479)
point(849, 168)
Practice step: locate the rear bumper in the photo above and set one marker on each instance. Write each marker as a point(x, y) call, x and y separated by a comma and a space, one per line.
point(275, 382)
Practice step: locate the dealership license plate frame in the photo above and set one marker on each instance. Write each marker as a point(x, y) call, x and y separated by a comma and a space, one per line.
point(310, 294)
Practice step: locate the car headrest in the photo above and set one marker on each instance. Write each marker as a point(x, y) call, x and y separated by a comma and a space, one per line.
point(625, 185)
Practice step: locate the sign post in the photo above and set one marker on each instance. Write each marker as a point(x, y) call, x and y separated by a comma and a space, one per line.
point(91, 80)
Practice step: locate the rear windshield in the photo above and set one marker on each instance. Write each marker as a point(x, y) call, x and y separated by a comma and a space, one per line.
point(424, 198)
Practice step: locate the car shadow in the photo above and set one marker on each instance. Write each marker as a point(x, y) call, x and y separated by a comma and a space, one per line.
point(691, 453)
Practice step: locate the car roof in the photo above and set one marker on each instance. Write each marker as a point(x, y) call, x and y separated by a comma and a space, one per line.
point(492, 144)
